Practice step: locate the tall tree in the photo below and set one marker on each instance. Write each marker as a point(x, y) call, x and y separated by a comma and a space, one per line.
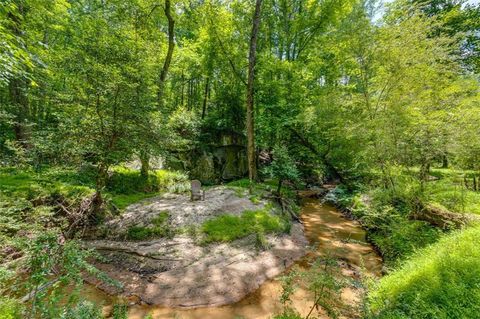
point(460, 20)
point(144, 153)
point(252, 58)
point(18, 85)
point(168, 58)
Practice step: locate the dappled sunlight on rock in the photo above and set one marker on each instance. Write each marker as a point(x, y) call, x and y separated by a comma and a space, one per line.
point(229, 273)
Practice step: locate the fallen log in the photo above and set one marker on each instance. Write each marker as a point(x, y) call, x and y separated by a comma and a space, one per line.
point(440, 217)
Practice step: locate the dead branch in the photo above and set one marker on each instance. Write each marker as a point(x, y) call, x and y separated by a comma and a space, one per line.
point(31, 295)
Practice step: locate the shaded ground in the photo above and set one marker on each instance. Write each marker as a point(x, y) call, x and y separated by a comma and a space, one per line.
point(178, 271)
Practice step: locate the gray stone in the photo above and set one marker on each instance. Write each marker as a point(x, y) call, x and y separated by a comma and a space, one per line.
point(204, 169)
point(196, 192)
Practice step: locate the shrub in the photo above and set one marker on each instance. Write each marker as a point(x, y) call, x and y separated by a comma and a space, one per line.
point(389, 227)
point(452, 193)
point(401, 237)
point(54, 280)
point(127, 181)
point(324, 281)
point(30, 202)
point(84, 310)
point(288, 313)
point(283, 167)
point(243, 183)
point(10, 308)
point(120, 311)
point(261, 241)
point(441, 281)
point(122, 201)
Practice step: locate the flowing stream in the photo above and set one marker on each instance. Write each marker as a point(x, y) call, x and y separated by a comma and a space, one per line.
point(328, 232)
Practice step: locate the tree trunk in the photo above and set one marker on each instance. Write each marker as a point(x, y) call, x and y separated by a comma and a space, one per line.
point(101, 181)
point(168, 58)
point(251, 154)
point(20, 102)
point(144, 156)
point(424, 171)
point(279, 187)
point(331, 169)
point(205, 98)
point(183, 89)
point(145, 161)
point(444, 161)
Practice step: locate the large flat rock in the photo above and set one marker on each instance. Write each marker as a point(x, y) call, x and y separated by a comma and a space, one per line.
point(178, 271)
point(211, 276)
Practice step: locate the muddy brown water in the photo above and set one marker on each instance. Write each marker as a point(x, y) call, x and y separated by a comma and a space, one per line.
point(328, 232)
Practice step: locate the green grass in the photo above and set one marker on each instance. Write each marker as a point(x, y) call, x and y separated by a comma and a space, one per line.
point(29, 198)
point(125, 186)
point(447, 189)
point(127, 181)
point(122, 201)
point(227, 228)
point(257, 188)
point(241, 187)
point(242, 183)
point(28, 201)
point(245, 183)
point(32, 185)
point(387, 217)
point(12, 180)
point(400, 237)
point(158, 228)
point(441, 281)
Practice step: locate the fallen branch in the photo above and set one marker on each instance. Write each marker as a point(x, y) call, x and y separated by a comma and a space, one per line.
point(77, 217)
point(31, 295)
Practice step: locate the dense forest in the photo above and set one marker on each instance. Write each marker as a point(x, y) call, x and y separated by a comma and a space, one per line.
point(373, 106)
